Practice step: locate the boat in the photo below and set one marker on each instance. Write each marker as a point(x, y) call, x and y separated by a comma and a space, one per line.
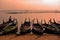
point(56, 26)
point(2, 26)
point(25, 27)
point(45, 25)
point(8, 26)
point(51, 28)
point(11, 27)
point(37, 28)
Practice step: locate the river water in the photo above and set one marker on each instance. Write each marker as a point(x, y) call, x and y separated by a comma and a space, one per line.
point(21, 17)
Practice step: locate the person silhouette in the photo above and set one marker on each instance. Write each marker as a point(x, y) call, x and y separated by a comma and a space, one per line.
point(10, 19)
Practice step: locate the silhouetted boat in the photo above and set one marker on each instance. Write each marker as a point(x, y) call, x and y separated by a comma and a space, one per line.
point(45, 25)
point(52, 28)
point(25, 27)
point(11, 27)
point(37, 28)
point(8, 26)
point(55, 24)
point(2, 26)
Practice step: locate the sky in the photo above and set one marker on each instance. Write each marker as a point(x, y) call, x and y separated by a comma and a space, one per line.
point(29, 4)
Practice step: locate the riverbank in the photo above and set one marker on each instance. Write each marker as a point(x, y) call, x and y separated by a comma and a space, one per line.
point(30, 37)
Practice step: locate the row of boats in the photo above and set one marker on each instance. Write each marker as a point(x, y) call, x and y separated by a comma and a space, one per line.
point(11, 26)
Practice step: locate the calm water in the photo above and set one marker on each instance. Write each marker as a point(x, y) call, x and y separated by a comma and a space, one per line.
point(21, 17)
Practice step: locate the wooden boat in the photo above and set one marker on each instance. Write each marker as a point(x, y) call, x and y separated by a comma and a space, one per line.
point(8, 26)
point(45, 25)
point(37, 28)
point(51, 28)
point(25, 27)
point(2, 26)
point(11, 27)
point(56, 26)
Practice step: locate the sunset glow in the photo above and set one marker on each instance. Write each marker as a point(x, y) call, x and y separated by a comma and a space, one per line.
point(50, 2)
point(29, 4)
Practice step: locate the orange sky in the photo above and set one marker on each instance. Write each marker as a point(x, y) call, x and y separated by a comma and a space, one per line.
point(29, 4)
